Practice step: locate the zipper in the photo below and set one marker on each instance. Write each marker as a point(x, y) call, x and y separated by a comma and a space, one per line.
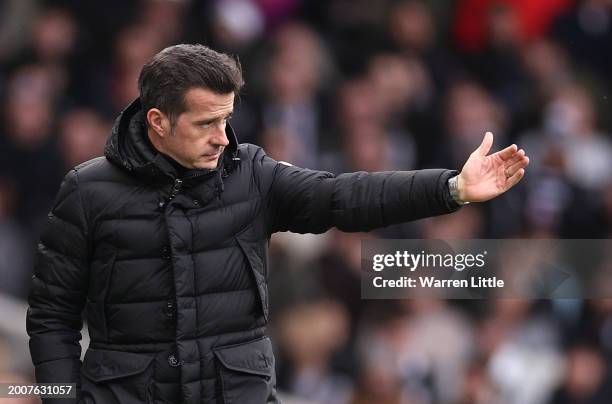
point(200, 174)
point(178, 183)
point(176, 188)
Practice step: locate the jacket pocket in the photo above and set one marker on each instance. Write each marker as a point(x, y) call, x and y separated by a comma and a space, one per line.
point(246, 371)
point(254, 253)
point(126, 376)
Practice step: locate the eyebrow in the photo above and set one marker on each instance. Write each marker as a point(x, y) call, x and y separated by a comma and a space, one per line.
point(210, 120)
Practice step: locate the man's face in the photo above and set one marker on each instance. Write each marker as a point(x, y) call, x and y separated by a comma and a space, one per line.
point(198, 139)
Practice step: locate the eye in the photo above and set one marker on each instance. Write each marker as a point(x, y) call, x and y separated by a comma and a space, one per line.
point(220, 120)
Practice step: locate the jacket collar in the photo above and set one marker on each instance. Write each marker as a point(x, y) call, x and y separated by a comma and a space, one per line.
point(129, 148)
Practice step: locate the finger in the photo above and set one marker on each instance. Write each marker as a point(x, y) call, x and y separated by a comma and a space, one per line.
point(516, 157)
point(514, 179)
point(485, 146)
point(508, 152)
point(522, 163)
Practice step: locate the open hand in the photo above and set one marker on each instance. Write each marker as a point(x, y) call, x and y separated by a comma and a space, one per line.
point(485, 177)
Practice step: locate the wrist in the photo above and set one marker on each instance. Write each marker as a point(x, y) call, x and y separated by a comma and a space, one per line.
point(461, 188)
point(456, 188)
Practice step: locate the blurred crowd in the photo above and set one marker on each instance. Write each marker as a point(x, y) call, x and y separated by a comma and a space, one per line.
point(347, 85)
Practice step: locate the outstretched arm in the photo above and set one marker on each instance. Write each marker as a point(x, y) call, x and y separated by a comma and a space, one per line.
point(303, 200)
point(309, 201)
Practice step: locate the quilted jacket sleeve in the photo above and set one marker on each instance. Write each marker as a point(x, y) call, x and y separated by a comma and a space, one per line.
point(309, 201)
point(59, 288)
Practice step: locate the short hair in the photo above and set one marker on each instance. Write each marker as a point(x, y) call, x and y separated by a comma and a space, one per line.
point(165, 79)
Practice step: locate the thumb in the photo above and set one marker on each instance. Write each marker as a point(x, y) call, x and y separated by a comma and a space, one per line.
point(485, 146)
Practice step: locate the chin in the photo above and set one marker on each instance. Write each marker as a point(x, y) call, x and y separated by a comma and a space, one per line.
point(207, 164)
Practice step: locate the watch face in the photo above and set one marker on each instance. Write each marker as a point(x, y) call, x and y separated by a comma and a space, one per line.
point(454, 191)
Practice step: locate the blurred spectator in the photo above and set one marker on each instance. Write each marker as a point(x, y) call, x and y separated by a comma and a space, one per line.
point(15, 21)
point(572, 163)
point(414, 33)
point(585, 30)
point(412, 27)
point(399, 83)
point(368, 148)
point(498, 65)
point(470, 112)
point(570, 122)
point(426, 356)
point(164, 17)
point(309, 334)
point(533, 19)
point(381, 379)
point(82, 136)
point(54, 37)
point(29, 151)
point(371, 111)
point(547, 66)
point(52, 45)
point(477, 387)
point(338, 270)
point(114, 83)
point(134, 47)
point(523, 348)
point(600, 327)
point(237, 24)
point(355, 105)
point(295, 76)
point(587, 378)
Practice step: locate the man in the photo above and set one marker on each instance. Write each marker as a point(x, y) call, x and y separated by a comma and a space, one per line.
point(164, 241)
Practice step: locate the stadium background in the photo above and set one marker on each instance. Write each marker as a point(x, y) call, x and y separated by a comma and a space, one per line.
point(348, 85)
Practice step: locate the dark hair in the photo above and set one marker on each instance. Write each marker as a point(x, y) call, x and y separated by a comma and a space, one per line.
point(166, 78)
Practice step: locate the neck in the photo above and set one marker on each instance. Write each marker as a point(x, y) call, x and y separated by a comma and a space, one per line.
point(157, 145)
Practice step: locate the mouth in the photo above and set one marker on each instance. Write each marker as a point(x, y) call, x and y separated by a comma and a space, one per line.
point(212, 156)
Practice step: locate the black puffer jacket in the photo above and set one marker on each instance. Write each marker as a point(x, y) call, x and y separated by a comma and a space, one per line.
point(172, 271)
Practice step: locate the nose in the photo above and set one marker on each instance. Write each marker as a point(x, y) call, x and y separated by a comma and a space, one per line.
point(220, 137)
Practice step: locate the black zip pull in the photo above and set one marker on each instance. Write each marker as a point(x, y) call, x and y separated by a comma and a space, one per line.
point(177, 185)
point(176, 188)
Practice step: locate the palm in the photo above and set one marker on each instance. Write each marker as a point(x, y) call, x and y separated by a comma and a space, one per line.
point(485, 177)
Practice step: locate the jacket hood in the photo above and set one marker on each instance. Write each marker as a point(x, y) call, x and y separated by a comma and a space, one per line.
point(129, 148)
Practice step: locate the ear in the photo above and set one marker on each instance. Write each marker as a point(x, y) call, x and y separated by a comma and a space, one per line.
point(159, 122)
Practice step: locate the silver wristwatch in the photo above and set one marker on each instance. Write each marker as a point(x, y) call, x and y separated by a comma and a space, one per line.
point(453, 187)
